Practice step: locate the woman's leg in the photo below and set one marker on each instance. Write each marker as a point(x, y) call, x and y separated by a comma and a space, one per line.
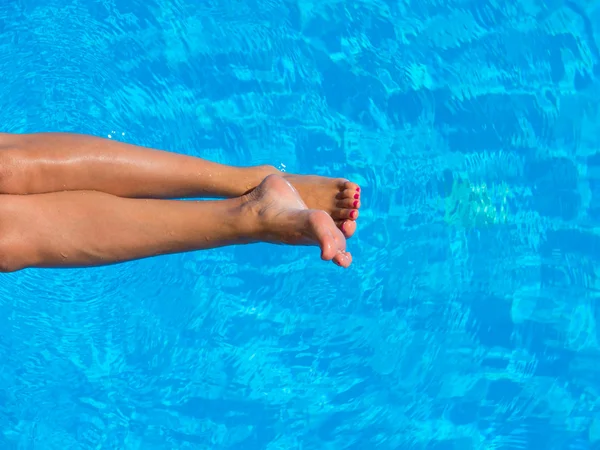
point(52, 162)
point(88, 228)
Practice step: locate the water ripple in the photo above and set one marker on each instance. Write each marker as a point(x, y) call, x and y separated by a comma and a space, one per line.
point(468, 319)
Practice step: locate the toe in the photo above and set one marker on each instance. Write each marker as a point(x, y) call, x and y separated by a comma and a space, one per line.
point(348, 203)
point(349, 185)
point(345, 214)
point(343, 259)
point(328, 247)
point(347, 227)
point(341, 183)
point(348, 193)
point(330, 238)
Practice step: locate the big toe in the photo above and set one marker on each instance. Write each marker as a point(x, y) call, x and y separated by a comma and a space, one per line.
point(348, 227)
point(331, 240)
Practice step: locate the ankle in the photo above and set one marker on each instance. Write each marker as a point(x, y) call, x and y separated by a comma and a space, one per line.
point(248, 215)
point(251, 177)
point(268, 170)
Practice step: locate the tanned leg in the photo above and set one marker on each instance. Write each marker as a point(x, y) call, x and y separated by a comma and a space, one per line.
point(52, 162)
point(88, 228)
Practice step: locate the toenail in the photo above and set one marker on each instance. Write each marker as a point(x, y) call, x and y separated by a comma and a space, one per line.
point(342, 227)
point(355, 203)
point(352, 214)
point(357, 189)
point(356, 196)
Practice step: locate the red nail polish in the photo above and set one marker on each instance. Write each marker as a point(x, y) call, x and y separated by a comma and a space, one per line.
point(357, 189)
point(356, 196)
point(355, 203)
point(352, 214)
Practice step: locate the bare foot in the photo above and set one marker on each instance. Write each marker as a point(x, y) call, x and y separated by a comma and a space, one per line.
point(284, 218)
point(338, 197)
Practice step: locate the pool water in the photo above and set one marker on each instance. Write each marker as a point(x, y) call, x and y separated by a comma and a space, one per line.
point(469, 319)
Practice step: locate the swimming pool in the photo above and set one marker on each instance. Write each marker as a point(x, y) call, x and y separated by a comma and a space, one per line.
point(469, 319)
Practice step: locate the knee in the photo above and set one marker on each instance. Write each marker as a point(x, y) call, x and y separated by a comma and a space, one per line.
point(13, 169)
point(8, 147)
point(11, 259)
point(23, 167)
point(9, 267)
point(8, 140)
point(16, 250)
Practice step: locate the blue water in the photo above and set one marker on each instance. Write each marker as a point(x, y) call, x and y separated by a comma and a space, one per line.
point(469, 318)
